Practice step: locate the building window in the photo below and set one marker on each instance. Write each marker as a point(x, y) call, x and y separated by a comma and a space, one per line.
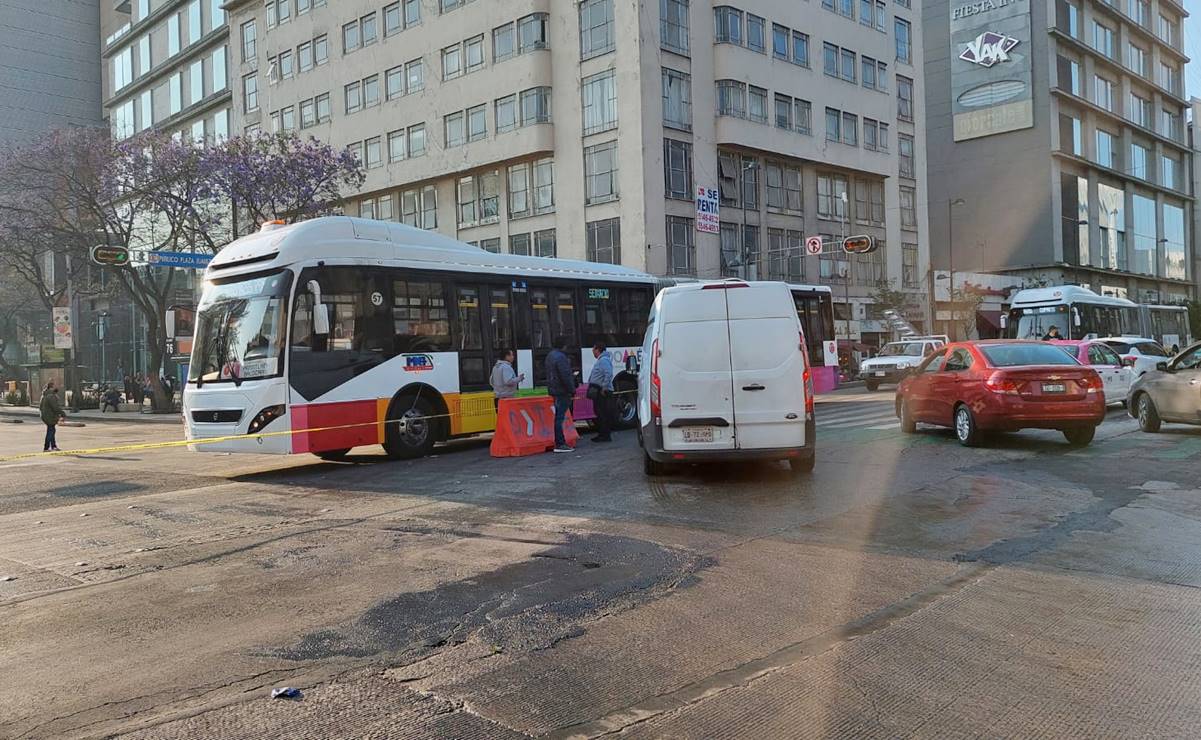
point(1169, 77)
point(519, 244)
point(731, 98)
point(1106, 149)
point(1103, 93)
point(394, 82)
point(454, 129)
point(544, 243)
point(831, 196)
point(757, 104)
point(1173, 242)
point(1168, 32)
point(373, 146)
point(755, 31)
point(367, 28)
point(420, 207)
point(452, 61)
point(146, 110)
point(304, 56)
point(122, 68)
point(194, 30)
point(479, 198)
point(350, 37)
point(783, 187)
point(908, 208)
point(677, 169)
point(681, 250)
point(1170, 124)
point(321, 50)
point(604, 241)
point(531, 33)
point(600, 102)
point(909, 274)
point(477, 122)
point(803, 115)
point(322, 104)
point(505, 112)
point(416, 140)
point(784, 112)
point(904, 41)
point(677, 100)
point(308, 114)
point(396, 145)
point(195, 82)
point(491, 245)
point(833, 124)
point(535, 105)
point(673, 25)
point(1145, 242)
point(904, 98)
point(596, 28)
point(504, 42)
point(1169, 171)
point(1136, 59)
point(600, 173)
point(249, 41)
point(1139, 155)
point(1103, 39)
point(871, 133)
point(531, 188)
point(250, 94)
point(287, 118)
point(473, 52)
point(727, 25)
point(415, 72)
point(354, 97)
point(905, 147)
point(173, 38)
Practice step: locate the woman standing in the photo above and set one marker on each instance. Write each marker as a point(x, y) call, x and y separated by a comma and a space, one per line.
point(51, 409)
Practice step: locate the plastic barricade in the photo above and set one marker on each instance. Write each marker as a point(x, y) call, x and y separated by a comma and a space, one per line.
point(526, 426)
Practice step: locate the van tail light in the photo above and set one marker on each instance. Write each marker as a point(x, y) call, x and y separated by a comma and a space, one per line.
point(725, 285)
point(1092, 383)
point(656, 384)
point(1000, 383)
point(807, 377)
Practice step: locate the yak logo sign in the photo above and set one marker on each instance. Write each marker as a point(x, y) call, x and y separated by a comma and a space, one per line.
point(988, 49)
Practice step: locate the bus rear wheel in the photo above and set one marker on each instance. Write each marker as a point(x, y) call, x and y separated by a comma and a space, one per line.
point(410, 429)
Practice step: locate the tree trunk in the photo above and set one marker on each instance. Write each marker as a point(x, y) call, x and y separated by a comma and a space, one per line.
point(158, 395)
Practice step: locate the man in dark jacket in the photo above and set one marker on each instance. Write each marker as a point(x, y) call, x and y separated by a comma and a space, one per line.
point(51, 409)
point(560, 385)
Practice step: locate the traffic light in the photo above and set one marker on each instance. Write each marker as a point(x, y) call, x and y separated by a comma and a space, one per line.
point(111, 256)
point(859, 245)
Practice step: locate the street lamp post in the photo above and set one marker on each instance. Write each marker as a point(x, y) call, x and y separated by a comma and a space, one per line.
point(746, 268)
point(846, 277)
point(951, 258)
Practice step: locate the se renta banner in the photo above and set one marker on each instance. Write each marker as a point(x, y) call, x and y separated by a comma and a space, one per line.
point(187, 260)
point(707, 210)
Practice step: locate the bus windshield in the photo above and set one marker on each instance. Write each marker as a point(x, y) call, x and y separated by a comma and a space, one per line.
point(1034, 323)
point(240, 327)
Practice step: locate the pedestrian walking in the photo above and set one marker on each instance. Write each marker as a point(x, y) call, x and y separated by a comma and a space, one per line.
point(560, 384)
point(504, 378)
point(600, 392)
point(51, 409)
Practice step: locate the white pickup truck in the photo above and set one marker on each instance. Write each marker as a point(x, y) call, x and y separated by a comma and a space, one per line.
point(896, 358)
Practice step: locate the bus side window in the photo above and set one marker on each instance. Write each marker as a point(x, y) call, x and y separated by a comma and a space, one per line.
point(540, 328)
point(600, 316)
point(420, 321)
point(302, 322)
point(563, 316)
point(633, 308)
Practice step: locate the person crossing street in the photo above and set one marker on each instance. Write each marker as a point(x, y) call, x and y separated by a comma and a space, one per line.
point(51, 409)
point(600, 392)
point(560, 385)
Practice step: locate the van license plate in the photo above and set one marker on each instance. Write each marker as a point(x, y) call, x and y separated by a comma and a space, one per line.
point(1054, 388)
point(698, 434)
point(879, 373)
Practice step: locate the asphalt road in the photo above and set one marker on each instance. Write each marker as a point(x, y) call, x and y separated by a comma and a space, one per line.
point(909, 587)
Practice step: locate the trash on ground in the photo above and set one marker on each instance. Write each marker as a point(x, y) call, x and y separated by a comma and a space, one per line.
point(286, 692)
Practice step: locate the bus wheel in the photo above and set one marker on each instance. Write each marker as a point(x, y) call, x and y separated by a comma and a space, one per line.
point(627, 411)
point(332, 455)
point(410, 429)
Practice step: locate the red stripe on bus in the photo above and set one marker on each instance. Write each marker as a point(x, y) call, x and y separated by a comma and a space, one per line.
point(314, 415)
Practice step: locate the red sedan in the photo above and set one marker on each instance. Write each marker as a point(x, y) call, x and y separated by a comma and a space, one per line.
point(1003, 385)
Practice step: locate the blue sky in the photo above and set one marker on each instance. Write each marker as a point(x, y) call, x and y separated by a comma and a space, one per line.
point(1192, 47)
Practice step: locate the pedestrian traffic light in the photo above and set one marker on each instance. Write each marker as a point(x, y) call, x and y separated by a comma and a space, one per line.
point(859, 245)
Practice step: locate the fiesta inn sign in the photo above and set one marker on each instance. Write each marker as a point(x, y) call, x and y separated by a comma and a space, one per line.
point(981, 6)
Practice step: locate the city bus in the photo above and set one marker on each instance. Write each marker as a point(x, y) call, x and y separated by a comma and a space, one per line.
point(815, 309)
point(1077, 312)
point(389, 333)
point(1167, 325)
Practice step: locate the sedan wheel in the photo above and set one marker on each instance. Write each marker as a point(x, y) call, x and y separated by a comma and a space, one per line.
point(908, 425)
point(1148, 415)
point(965, 427)
point(1080, 436)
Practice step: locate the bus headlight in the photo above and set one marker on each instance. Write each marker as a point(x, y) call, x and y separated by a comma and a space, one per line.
point(265, 417)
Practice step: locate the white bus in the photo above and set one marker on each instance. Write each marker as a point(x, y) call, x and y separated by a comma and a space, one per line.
point(1167, 325)
point(1077, 312)
point(389, 332)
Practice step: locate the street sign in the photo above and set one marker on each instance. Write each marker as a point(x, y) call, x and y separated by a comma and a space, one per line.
point(187, 260)
point(104, 254)
point(813, 245)
point(708, 209)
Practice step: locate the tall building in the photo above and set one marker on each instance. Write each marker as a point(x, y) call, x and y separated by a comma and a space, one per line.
point(1057, 143)
point(165, 67)
point(48, 73)
point(586, 129)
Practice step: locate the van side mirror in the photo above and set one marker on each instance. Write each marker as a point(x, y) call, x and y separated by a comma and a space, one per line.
point(1076, 316)
point(1162, 367)
point(632, 364)
point(320, 315)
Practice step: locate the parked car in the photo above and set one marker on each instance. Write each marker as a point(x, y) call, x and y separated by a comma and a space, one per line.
point(1116, 373)
point(1003, 385)
point(1171, 392)
point(1141, 353)
point(728, 378)
point(896, 358)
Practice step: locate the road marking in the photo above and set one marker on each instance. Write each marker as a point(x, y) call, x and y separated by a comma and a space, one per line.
point(894, 425)
point(852, 418)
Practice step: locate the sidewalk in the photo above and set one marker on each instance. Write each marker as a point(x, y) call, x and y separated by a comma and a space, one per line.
point(29, 413)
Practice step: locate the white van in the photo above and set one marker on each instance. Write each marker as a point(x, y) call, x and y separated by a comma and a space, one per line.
point(725, 376)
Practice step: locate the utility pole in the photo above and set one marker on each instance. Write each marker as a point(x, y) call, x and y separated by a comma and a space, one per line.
point(846, 278)
point(743, 254)
point(951, 203)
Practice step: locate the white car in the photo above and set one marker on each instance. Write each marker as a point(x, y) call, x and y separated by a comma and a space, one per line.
point(1116, 374)
point(728, 377)
point(896, 358)
point(1140, 353)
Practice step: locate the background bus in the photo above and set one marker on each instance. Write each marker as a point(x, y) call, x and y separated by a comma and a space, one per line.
point(1078, 312)
point(389, 332)
point(1167, 325)
point(815, 308)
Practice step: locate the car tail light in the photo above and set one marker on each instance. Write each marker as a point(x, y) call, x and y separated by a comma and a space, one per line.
point(656, 384)
point(807, 378)
point(1000, 383)
point(1092, 383)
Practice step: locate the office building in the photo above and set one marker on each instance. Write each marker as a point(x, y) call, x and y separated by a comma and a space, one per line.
point(1057, 143)
point(585, 130)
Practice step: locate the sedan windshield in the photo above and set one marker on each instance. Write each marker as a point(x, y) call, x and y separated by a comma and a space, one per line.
point(1014, 355)
point(240, 329)
point(902, 348)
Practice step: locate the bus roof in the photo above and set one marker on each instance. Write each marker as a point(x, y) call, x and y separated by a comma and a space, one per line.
point(1064, 294)
point(335, 238)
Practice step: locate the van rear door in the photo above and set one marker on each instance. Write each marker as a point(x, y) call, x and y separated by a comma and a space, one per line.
point(768, 369)
point(694, 372)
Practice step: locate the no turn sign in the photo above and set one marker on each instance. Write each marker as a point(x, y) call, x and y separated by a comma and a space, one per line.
point(813, 245)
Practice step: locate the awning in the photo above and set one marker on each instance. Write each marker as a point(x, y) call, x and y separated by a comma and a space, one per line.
point(856, 346)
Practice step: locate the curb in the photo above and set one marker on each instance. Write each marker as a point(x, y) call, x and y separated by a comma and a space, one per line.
point(129, 418)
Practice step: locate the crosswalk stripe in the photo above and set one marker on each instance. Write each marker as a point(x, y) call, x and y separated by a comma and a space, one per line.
point(894, 425)
point(877, 414)
point(856, 423)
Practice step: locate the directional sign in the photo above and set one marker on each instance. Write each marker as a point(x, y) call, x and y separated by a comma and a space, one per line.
point(188, 260)
point(813, 245)
point(106, 255)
